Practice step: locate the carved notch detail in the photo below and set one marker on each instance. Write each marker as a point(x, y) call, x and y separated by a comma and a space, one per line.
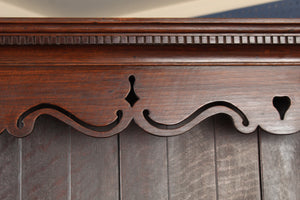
point(282, 104)
point(132, 98)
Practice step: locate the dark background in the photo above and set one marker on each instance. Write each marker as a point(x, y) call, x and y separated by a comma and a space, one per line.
point(279, 9)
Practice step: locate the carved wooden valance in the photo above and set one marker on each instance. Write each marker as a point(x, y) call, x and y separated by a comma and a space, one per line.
point(166, 75)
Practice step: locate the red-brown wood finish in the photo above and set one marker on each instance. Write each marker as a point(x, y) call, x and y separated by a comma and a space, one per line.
point(160, 43)
point(185, 71)
point(125, 78)
point(184, 95)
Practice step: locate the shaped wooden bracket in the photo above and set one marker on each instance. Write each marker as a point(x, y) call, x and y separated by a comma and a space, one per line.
point(165, 75)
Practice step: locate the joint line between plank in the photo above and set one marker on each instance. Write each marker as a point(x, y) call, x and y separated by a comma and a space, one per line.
point(20, 167)
point(216, 165)
point(69, 165)
point(119, 167)
point(168, 171)
point(260, 164)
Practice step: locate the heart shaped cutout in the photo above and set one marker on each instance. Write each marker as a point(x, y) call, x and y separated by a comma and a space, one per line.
point(282, 104)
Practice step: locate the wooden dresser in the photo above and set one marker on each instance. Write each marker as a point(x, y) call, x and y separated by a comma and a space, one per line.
point(150, 109)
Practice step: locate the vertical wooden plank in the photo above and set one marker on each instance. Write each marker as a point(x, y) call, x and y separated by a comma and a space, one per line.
point(9, 167)
point(280, 164)
point(94, 168)
point(143, 165)
point(45, 161)
point(237, 162)
point(192, 164)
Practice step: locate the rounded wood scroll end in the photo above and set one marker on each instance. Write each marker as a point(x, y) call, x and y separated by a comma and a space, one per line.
point(25, 123)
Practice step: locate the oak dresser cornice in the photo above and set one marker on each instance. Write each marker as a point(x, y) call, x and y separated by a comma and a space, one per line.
point(166, 75)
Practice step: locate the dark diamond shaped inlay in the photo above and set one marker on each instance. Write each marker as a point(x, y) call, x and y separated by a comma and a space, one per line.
point(132, 98)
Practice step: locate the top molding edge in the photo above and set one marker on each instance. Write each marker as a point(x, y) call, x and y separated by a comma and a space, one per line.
point(153, 20)
point(82, 31)
point(150, 25)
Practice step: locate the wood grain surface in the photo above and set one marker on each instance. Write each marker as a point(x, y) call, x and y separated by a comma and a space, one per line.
point(150, 55)
point(45, 166)
point(77, 70)
point(93, 99)
point(94, 167)
point(152, 25)
point(191, 165)
point(280, 161)
point(212, 161)
point(237, 162)
point(9, 167)
point(143, 164)
point(186, 71)
point(32, 31)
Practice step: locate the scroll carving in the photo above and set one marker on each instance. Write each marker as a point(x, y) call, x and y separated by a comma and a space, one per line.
point(245, 120)
point(64, 115)
point(166, 75)
point(156, 102)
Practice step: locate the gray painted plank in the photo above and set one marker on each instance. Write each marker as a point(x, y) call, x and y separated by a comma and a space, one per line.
point(143, 165)
point(280, 165)
point(9, 167)
point(45, 161)
point(95, 174)
point(237, 162)
point(192, 164)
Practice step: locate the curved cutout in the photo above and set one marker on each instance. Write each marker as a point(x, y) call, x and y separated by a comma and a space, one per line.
point(282, 104)
point(131, 97)
point(105, 128)
point(245, 120)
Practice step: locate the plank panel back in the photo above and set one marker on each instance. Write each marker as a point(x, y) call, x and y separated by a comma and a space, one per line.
point(191, 159)
point(280, 166)
point(9, 167)
point(143, 164)
point(237, 162)
point(94, 167)
point(45, 168)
